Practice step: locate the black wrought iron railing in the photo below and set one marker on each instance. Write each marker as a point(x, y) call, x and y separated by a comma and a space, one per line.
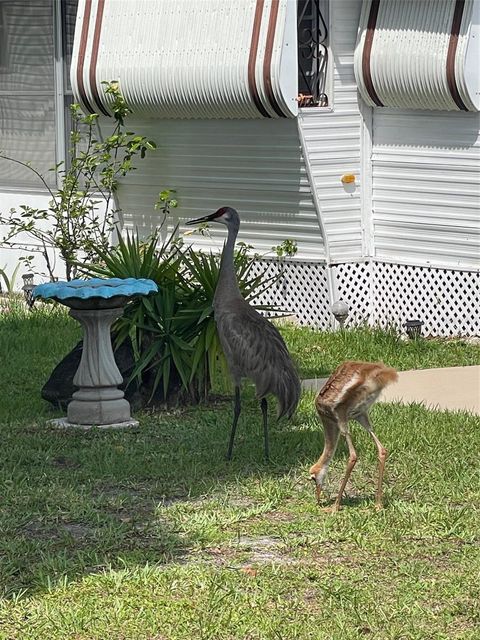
point(312, 53)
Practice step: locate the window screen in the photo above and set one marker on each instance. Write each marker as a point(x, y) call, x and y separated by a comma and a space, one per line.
point(27, 86)
point(27, 123)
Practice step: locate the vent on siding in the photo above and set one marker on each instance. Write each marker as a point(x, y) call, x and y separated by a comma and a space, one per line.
point(419, 55)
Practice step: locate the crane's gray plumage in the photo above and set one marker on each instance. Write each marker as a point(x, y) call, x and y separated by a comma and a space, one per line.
point(253, 347)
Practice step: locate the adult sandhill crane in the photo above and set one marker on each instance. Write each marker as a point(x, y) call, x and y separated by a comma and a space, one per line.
point(348, 394)
point(253, 347)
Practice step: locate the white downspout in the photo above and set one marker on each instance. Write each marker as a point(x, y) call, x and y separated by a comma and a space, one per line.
point(366, 196)
point(366, 206)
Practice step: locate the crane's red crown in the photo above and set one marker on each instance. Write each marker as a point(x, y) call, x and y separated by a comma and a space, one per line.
point(219, 212)
point(214, 216)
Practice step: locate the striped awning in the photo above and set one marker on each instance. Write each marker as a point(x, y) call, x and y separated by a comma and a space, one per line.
point(188, 59)
point(420, 54)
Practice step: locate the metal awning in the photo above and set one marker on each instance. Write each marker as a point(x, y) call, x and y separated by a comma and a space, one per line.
point(419, 55)
point(200, 59)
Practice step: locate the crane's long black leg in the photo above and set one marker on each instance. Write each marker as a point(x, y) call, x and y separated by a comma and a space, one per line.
point(236, 412)
point(263, 405)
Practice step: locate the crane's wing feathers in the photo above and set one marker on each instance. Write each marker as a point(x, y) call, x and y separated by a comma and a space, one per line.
point(255, 349)
point(250, 341)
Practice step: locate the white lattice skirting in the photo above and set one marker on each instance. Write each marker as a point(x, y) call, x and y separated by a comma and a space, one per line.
point(378, 293)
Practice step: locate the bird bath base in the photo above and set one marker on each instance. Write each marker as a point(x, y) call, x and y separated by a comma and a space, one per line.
point(98, 400)
point(65, 424)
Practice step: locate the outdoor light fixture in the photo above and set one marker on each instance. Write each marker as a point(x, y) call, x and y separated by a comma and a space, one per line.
point(28, 288)
point(348, 178)
point(340, 311)
point(413, 328)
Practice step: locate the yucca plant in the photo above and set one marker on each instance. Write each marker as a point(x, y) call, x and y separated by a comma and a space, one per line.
point(135, 258)
point(167, 342)
point(144, 319)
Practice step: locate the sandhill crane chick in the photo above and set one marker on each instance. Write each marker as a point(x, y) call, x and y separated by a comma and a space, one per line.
point(348, 395)
point(253, 347)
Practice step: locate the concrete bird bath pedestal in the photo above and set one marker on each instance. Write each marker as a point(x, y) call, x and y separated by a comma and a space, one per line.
point(96, 304)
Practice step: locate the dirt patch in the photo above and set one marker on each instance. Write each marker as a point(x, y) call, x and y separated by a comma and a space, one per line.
point(63, 462)
point(264, 550)
point(279, 516)
point(37, 530)
point(77, 530)
point(119, 492)
point(312, 599)
point(243, 503)
point(141, 493)
point(219, 556)
point(262, 542)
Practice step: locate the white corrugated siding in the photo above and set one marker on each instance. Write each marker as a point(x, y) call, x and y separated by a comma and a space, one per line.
point(426, 187)
point(257, 167)
point(332, 141)
point(253, 165)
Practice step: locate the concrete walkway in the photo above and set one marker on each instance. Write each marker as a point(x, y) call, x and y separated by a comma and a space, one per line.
point(452, 388)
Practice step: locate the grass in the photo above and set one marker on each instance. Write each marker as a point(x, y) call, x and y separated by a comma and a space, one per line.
point(319, 352)
point(151, 535)
point(31, 344)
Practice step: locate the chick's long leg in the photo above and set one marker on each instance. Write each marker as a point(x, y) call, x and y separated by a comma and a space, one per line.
point(382, 456)
point(318, 471)
point(352, 459)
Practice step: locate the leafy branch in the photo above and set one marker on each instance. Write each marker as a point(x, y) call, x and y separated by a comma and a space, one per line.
point(79, 218)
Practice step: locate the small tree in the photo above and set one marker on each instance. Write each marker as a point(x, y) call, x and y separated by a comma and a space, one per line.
point(74, 223)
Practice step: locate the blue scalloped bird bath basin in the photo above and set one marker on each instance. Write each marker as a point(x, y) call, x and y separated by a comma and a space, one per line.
point(95, 293)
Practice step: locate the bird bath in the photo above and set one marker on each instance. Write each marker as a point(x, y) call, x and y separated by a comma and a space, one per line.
point(96, 304)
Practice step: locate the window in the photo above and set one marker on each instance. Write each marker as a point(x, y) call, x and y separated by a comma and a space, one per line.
point(67, 24)
point(69, 14)
point(32, 93)
point(3, 38)
point(313, 53)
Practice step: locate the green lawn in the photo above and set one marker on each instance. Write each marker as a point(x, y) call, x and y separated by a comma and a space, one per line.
point(151, 535)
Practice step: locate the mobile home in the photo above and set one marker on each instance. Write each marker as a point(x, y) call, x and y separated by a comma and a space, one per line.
point(349, 126)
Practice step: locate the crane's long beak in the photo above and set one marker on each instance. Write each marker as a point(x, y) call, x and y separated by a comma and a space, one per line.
point(200, 220)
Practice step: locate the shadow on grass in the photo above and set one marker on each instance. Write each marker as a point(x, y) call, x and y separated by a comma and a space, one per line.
point(78, 502)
